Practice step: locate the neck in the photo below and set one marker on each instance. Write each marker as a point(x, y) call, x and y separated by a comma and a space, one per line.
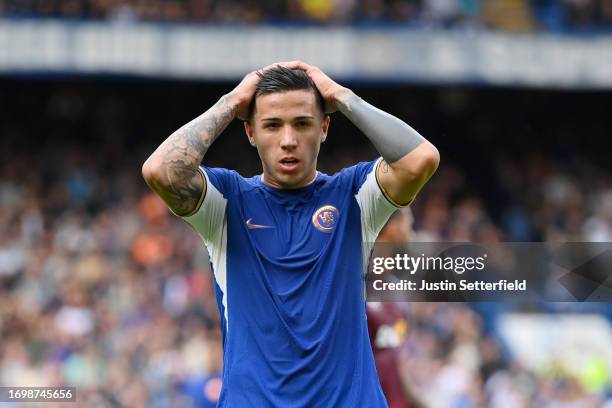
point(271, 183)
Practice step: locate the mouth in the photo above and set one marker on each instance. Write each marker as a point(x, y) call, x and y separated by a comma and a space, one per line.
point(289, 163)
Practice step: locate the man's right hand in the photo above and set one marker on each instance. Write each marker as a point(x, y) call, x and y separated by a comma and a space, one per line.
point(242, 95)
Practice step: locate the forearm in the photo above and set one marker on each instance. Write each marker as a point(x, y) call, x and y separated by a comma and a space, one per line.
point(391, 137)
point(172, 170)
point(409, 159)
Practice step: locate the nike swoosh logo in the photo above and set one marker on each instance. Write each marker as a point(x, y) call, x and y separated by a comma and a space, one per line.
point(250, 225)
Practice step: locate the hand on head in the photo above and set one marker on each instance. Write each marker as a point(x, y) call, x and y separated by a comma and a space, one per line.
point(328, 88)
point(245, 91)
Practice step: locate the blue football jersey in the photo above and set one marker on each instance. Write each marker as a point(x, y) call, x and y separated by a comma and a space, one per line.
point(289, 271)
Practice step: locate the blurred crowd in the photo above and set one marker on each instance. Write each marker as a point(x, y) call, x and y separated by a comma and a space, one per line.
point(509, 15)
point(102, 288)
point(448, 360)
point(559, 207)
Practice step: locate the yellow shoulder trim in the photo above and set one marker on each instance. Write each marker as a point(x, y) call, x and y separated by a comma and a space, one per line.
point(202, 195)
point(389, 199)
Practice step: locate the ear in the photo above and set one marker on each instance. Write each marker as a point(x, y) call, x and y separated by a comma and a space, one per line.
point(325, 127)
point(248, 129)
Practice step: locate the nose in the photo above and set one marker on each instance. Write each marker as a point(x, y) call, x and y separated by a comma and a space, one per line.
point(288, 139)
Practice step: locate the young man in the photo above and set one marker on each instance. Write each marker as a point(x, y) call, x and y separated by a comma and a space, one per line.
point(286, 247)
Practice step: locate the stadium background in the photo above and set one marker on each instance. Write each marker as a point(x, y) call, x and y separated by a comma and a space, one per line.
point(101, 288)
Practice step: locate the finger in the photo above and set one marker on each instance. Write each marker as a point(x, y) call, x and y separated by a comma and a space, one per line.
point(296, 65)
point(260, 71)
point(290, 64)
point(281, 63)
point(264, 69)
point(267, 67)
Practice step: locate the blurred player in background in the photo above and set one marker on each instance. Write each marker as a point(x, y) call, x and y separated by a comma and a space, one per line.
point(387, 324)
point(286, 246)
point(205, 390)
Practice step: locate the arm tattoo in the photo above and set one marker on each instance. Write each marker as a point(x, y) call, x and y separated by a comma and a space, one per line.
point(180, 183)
point(385, 167)
point(390, 136)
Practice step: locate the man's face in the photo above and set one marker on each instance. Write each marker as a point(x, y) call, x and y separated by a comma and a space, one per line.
point(288, 128)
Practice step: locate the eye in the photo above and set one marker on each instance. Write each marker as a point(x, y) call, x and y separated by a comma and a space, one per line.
point(302, 124)
point(271, 125)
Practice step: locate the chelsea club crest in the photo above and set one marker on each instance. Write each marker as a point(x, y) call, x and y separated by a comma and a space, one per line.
point(325, 218)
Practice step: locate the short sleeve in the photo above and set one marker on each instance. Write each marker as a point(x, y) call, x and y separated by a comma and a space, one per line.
point(209, 219)
point(376, 207)
point(221, 179)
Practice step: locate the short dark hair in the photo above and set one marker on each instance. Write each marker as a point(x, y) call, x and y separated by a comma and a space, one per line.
point(282, 79)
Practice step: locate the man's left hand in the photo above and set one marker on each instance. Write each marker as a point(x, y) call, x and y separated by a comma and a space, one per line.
point(330, 89)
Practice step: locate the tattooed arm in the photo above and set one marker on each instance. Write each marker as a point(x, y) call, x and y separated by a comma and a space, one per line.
point(172, 170)
point(409, 159)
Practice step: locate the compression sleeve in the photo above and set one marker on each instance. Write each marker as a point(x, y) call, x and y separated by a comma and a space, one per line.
point(392, 137)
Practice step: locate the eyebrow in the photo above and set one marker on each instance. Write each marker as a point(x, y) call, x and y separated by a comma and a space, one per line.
point(279, 119)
